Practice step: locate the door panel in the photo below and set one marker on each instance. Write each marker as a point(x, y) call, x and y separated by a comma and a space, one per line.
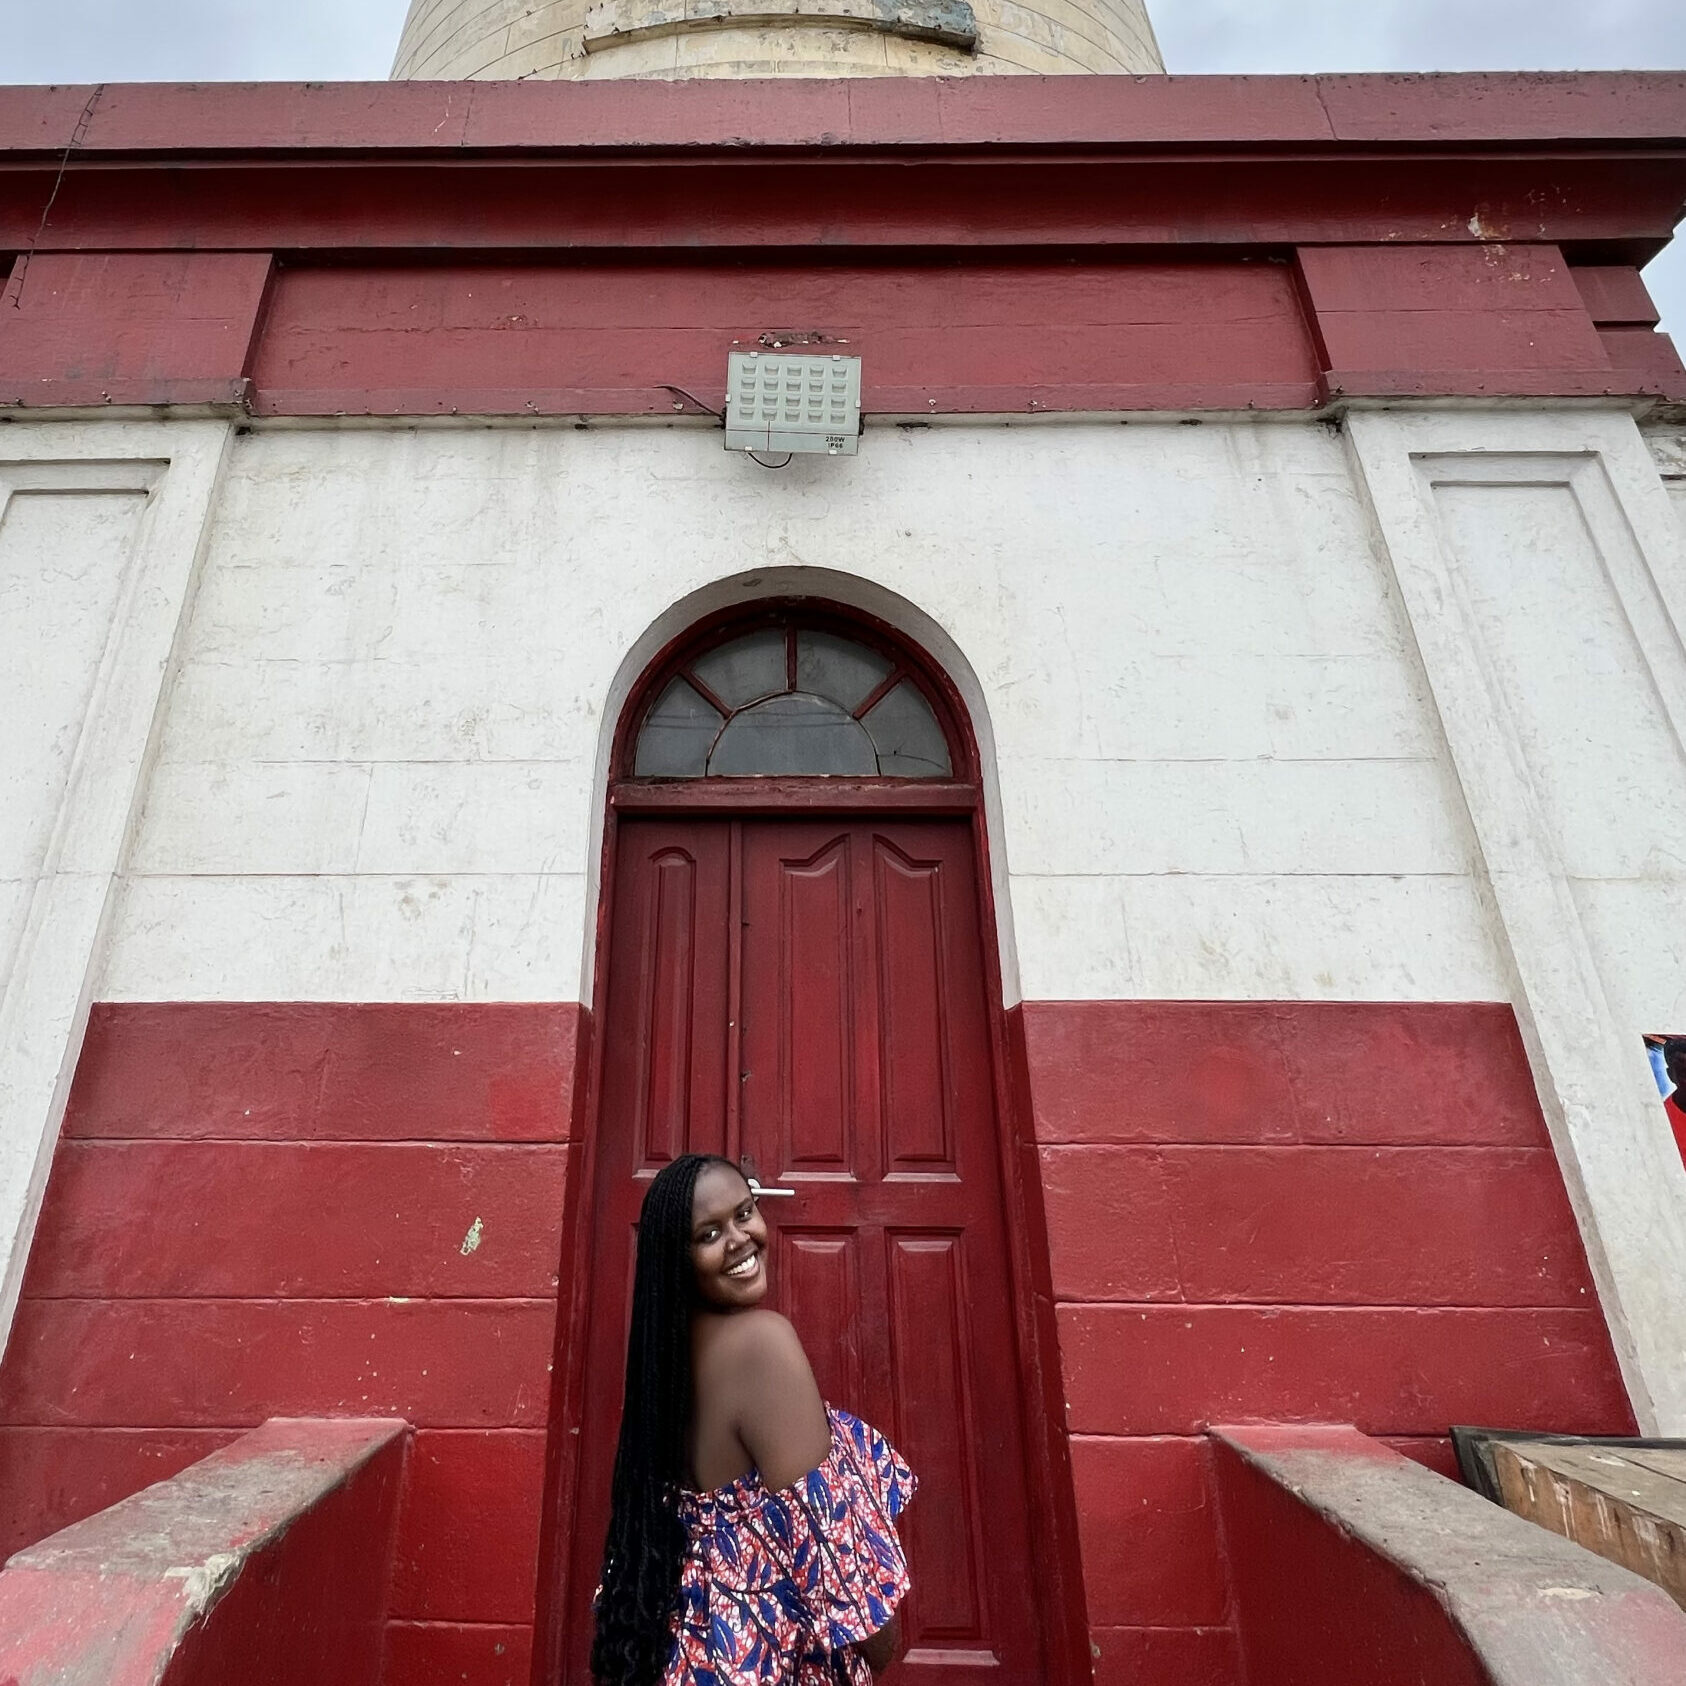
point(819, 1276)
point(930, 1373)
point(675, 974)
point(808, 996)
point(913, 1011)
point(816, 1099)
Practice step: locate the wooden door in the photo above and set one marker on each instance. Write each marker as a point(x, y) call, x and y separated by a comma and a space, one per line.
point(808, 996)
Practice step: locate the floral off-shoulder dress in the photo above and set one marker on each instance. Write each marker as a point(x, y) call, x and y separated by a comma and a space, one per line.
point(776, 1586)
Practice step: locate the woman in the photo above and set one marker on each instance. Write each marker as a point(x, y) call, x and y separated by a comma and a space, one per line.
point(752, 1537)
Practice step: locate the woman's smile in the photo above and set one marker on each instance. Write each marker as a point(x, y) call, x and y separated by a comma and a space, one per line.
point(728, 1239)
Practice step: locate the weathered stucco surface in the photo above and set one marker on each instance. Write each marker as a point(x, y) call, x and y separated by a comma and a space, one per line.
point(468, 39)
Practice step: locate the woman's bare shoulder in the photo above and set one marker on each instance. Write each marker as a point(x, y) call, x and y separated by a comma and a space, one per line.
point(757, 1336)
point(775, 1404)
point(755, 1360)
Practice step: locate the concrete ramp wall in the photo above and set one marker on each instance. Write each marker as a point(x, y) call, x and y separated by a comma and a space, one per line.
point(267, 1563)
point(1352, 1563)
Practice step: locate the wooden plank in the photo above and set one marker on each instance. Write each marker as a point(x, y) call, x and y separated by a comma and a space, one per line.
point(1602, 1498)
point(1619, 1473)
point(1665, 1460)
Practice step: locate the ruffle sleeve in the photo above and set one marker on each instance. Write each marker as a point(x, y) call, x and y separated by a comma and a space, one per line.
point(846, 1559)
point(797, 1575)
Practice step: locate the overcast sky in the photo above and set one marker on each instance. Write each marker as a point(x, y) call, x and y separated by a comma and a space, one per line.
point(321, 40)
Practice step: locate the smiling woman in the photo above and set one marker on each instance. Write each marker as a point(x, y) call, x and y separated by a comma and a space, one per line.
point(752, 1536)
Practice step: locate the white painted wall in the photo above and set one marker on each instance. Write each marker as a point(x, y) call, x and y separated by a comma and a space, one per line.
point(1216, 769)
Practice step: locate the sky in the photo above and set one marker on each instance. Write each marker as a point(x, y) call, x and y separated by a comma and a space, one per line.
point(327, 40)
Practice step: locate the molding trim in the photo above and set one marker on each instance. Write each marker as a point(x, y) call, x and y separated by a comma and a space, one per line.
point(1620, 1163)
point(176, 468)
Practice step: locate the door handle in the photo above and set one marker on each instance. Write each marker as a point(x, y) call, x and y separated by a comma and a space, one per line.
point(761, 1193)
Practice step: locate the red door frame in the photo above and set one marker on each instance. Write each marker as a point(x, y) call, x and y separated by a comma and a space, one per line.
point(1058, 1571)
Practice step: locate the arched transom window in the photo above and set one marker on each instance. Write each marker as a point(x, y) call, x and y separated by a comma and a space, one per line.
point(791, 700)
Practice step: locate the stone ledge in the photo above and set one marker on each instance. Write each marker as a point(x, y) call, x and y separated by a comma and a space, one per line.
point(266, 1562)
point(1346, 1553)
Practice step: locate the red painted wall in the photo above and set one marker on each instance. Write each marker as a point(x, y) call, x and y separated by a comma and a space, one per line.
point(1328, 1212)
point(557, 249)
point(262, 1210)
point(601, 338)
point(1475, 319)
point(130, 327)
point(1303, 1212)
point(611, 335)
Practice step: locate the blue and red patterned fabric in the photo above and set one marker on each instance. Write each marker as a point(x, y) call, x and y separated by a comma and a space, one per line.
point(776, 1586)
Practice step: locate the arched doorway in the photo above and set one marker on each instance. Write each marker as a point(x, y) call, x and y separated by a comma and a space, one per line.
point(795, 969)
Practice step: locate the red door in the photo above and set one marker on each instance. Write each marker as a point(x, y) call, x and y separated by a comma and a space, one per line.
point(809, 996)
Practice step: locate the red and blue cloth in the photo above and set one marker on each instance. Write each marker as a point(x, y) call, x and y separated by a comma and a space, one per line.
point(777, 1586)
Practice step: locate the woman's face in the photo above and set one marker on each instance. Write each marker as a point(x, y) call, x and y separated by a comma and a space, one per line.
point(728, 1240)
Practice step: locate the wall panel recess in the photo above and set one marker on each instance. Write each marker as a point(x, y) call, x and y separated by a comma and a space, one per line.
point(1540, 565)
point(100, 534)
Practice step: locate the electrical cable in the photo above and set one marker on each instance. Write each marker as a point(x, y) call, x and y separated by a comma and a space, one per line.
point(691, 398)
point(720, 416)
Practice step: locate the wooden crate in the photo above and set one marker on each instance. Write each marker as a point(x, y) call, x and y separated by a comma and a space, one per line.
point(1627, 1503)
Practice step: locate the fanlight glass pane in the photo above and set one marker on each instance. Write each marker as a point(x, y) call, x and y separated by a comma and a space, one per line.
point(677, 735)
point(746, 668)
point(838, 668)
point(793, 734)
point(910, 743)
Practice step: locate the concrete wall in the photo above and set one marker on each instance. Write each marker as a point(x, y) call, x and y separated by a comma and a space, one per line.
point(1252, 888)
point(1453, 1589)
point(100, 536)
point(571, 39)
point(1287, 1212)
point(264, 1208)
point(269, 1562)
point(1218, 771)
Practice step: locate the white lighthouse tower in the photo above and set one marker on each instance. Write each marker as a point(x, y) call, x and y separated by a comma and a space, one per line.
point(686, 39)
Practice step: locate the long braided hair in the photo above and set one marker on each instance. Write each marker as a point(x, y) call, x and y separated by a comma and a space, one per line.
point(646, 1540)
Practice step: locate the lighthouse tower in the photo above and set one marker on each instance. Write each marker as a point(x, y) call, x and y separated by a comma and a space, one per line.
point(685, 39)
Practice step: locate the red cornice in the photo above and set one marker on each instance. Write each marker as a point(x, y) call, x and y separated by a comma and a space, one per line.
point(1625, 200)
point(1266, 163)
point(429, 248)
point(1230, 113)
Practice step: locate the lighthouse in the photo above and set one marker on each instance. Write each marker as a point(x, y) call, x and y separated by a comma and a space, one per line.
point(1080, 669)
point(692, 39)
